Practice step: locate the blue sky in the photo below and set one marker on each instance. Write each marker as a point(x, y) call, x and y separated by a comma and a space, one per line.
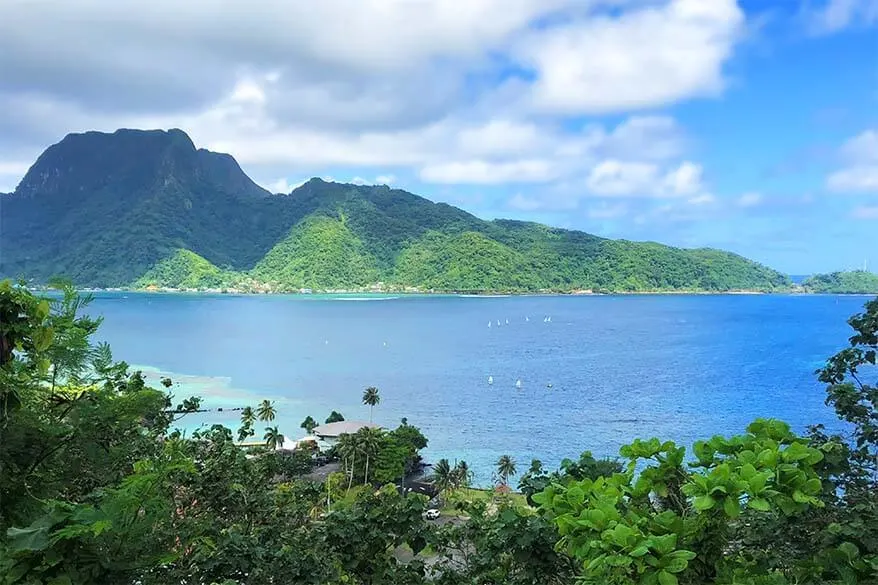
point(750, 125)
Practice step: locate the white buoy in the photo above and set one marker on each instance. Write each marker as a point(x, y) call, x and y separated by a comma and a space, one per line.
point(518, 383)
point(490, 380)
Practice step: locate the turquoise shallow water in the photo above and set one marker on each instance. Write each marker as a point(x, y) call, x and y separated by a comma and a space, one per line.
point(677, 367)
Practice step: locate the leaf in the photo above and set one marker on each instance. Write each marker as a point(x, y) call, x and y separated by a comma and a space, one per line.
point(28, 539)
point(732, 507)
point(703, 503)
point(639, 551)
point(759, 504)
point(666, 578)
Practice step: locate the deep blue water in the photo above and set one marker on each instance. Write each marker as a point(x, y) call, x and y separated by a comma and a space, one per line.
point(677, 367)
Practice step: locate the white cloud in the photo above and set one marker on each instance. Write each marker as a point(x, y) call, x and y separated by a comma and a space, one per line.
point(645, 57)
point(614, 177)
point(359, 181)
point(385, 180)
point(283, 186)
point(524, 203)
point(412, 86)
point(611, 178)
point(684, 180)
point(836, 15)
point(484, 172)
point(750, 199)
point(860, 171)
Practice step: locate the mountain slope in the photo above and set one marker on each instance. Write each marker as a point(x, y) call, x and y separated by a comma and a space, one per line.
point(103, 208)
point(146, 207)
point(849, 282)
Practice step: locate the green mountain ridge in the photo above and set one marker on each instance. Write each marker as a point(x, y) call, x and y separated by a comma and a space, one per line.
point(146, 208)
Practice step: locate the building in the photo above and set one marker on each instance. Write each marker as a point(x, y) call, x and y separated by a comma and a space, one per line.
point(330, 432)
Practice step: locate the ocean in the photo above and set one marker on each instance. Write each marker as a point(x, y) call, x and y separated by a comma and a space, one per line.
point(595, 371)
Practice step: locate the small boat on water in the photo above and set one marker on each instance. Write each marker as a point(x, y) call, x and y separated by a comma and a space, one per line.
point(490, 380)
point(518, 383)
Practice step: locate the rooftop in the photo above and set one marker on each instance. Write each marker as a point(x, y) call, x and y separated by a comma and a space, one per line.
point(345, 427)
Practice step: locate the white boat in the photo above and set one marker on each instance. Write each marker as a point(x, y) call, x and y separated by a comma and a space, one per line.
point(518, 383)
point(507, 321)
point(498, 322)
point(490, 380)
point(489, 323)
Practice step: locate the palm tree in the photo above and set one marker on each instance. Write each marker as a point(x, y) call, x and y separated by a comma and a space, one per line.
point(461, 474)
point(443, 476)
point(273, 438)
point(247, 417)
point(505, 468)
point(309, 424)
point(266, 411)
point(369, 442)
point(371, 398)
point(347, 448)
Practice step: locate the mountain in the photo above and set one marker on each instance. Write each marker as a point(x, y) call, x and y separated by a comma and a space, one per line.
point(147, 208)
point(849, 282)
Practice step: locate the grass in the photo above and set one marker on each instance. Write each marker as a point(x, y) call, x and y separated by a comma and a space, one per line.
point(451, 499)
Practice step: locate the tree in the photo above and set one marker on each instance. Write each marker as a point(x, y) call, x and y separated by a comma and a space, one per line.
point(309, 424)
point(461, 475)
point(663, 521)
point(273, 438)
point(334, 417)
point(266, 411)
point(443, 476)
point(505, 468)
point(247, 416)
point(347, 448)
point(368, 441)
point(371, 398)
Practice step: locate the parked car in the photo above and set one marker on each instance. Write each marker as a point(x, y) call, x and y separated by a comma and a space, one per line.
point(431, 514)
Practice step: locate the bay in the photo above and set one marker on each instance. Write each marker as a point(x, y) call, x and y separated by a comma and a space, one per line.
point(602, 371)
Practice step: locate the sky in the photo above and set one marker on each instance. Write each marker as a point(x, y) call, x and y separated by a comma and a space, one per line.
point(750, 126)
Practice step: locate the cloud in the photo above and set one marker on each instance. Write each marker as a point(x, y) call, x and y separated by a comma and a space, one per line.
point(385, 180)
point(283, 186)
point(646, 57)
point(613, 177)
point(860, 171)
point(750, 199)
point(835, 15)
point(524, 203)
point(486, 92)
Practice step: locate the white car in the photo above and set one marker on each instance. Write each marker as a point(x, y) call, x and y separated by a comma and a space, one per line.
point(431, 514)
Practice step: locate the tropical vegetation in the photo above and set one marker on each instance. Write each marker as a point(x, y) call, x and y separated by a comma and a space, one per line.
point(97, 487)
point(850, 282)
point(147, 209)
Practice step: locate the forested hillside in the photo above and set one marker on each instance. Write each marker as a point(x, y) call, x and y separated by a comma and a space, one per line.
point(852, 282)
point(141, 208)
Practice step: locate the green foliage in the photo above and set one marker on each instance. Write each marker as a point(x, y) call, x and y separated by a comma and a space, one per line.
point(334, 417)
point(505, 468)
point(322, 253)
point(147, 208)
point(852, 282)
point(666, 523)
point(185, 269)
point(309, 424)
point(507, 546)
